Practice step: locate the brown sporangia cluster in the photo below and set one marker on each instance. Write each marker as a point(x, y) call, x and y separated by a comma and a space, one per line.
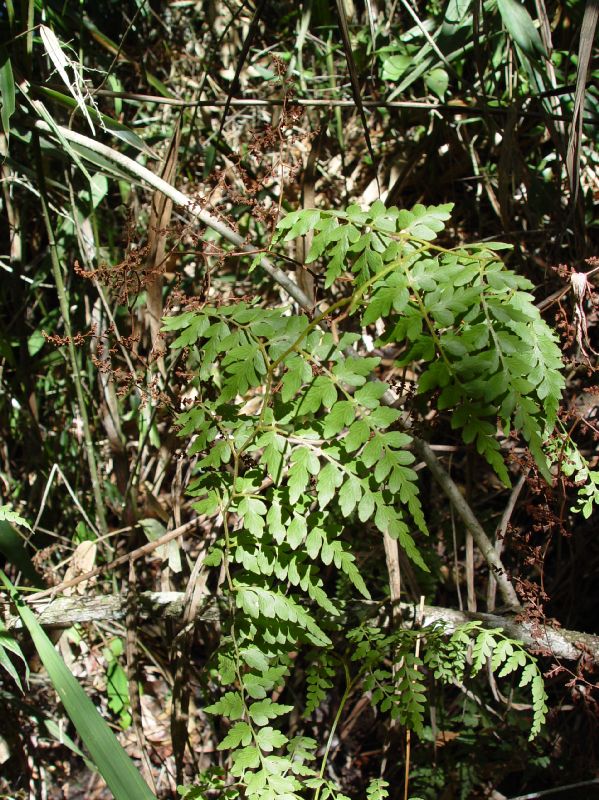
point(107, 349)
point(43, 564)
point(126, 279)
point(530, 544)
point(581, 680)
point(78, 339)
point(271, 161)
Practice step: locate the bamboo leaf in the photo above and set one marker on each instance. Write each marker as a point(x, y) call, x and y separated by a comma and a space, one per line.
point(62, 64)
point(585, 50)
point(44, 114)
point(121, 131)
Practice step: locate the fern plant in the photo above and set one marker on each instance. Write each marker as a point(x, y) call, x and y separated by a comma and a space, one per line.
point(470, 322)
point(295, 440)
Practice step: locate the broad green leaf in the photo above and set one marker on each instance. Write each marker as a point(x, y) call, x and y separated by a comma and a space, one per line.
point(366, 507)
point(357, 435)
point(269, 738)
point(437, 81)
point(298, 223)
point(370, 394)
point(247, 758)
point(265, 710)
point(521, 28)
point(395, 66)
point(230, 705)
point(349, 495)
point(340, 415)
point(7, 91)
point(329, 480)
point(296, 532)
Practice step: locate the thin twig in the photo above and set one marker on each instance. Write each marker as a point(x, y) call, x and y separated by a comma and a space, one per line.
point(556, 790)
point(66, 320)
point(57, 470)
point(394, 570)
point(253, 102)
point(500, 534)
point(409, 731)
point(462, 508)
point(124, 559)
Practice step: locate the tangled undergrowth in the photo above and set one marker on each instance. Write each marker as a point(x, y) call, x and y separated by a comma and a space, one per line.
point(284, 434)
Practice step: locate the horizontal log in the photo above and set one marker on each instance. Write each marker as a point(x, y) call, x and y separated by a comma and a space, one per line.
point(63, 612)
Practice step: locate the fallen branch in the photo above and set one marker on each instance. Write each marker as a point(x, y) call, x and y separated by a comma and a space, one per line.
point(66, 611)
point(126, 558)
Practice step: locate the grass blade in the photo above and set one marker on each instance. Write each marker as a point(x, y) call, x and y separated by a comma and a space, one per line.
point(160, 218)
point(353, 76)
point(521, 28)
point(9, 645)
point(14, 550)
point(115, 766)
point(119, 130)
point(62, 64)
